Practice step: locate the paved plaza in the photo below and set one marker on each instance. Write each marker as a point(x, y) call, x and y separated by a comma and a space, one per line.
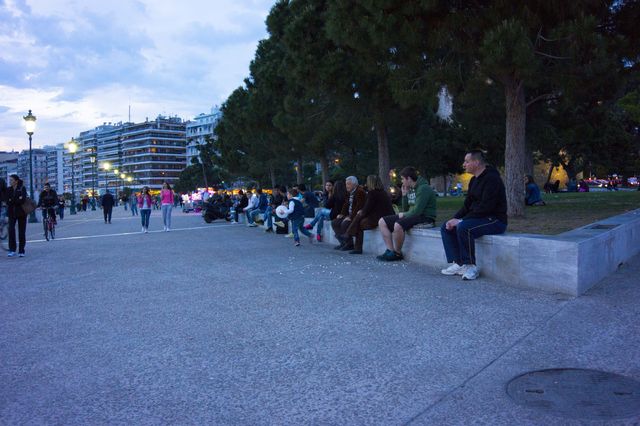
point(222, 324)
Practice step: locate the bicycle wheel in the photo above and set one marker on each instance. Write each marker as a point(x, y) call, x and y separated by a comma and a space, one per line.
point(52, 231)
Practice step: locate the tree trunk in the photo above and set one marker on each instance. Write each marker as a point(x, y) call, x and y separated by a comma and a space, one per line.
point(272, 175)
point(551, 167)
point(514, 155)
point(383, 150)
point(204, 175)
point(324, 165)
point(299, 173)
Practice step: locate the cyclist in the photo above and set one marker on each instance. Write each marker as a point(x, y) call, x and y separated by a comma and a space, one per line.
point(48, 201)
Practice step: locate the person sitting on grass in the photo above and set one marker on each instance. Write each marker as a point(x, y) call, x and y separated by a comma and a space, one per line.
point(484, 212)
point(377, 204)
point(295, 214)
point(418, 206)
point(532, 192)
point(353, 203)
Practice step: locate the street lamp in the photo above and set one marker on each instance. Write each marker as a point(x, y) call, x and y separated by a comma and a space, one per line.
point(30, 124)
point(106, 166)
point(72, 147)
point(123, 177)
point(93, 177)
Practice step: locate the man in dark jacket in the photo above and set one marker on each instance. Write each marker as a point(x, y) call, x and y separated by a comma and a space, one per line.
point(48, 201)
point(107, 206)
point(484, 212)
point(353, 204)
point(418, 206)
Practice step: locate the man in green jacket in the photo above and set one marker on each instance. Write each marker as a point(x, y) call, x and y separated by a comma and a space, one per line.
point(418, 205)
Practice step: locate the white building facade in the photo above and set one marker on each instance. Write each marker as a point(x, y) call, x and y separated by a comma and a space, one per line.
point(198, 130)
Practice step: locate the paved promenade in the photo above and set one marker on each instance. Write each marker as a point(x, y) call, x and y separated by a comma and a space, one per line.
point(222, 324)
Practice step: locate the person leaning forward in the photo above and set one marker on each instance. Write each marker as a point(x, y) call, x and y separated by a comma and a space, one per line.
point(354, 203)
point(418, 205)
point(484, 212)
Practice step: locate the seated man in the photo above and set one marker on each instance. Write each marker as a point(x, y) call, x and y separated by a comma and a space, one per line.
point(263, 203)
point(352, 205)
point(276, 200)
point(376, 205)
point(484, 212)
point(418, 205)
point(251, 205)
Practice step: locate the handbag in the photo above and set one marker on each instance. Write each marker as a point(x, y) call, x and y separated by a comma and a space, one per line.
point(28, 206)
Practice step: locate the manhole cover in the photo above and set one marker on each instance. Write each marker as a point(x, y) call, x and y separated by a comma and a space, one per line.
point(577, 393)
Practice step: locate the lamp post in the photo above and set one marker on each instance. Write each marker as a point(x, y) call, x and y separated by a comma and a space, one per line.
point(116, 172)
point(106, 166)
point(73, 147)
point(30, 124)
point(93, 178)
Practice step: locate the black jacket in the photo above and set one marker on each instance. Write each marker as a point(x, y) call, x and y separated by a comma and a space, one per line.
point(334, 203)
point(107, 201)
point(376, 205)
point(48, 200)
point(15, 199)
point(486, 197)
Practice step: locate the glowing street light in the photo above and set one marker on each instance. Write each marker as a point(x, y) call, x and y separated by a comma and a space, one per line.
point(30, 126)
point(72, 147)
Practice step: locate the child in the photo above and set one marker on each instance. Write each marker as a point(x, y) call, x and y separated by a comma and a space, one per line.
point(295, 214)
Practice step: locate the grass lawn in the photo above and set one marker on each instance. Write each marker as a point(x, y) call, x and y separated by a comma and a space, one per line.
point(563, 212)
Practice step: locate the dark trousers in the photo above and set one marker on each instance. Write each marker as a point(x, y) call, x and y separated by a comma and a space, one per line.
point(460, 242)
point(61, 212)
point(106, 211)
point(358, 226)
point(22, 233)
point(340, 227)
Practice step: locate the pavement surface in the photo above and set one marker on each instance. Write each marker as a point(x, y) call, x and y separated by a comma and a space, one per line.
point(224, 324)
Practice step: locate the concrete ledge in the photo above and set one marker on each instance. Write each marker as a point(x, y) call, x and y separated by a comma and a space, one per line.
point(569, 263)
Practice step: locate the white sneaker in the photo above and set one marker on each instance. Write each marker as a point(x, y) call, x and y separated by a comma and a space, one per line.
point(11, 254)
point(289, 235)
point(253, 225)
point(21, 255)
point(453, 269)
point(142, 229)
point(168, 229)
point(471, 272)
point(146, 230)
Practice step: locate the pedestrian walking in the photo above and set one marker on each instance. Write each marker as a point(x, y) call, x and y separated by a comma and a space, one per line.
point(134, 204)
point(61, 203)
point(166, 197)
point(107, 206)
point(145, 204)
point(16, 196)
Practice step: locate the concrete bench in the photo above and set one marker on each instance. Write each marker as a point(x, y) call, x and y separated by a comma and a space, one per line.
point(568, 263)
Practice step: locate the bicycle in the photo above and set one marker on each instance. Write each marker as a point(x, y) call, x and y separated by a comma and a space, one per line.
point(49, 225)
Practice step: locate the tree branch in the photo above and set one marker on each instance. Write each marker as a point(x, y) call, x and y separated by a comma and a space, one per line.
point(546, 97)
point(546, 55)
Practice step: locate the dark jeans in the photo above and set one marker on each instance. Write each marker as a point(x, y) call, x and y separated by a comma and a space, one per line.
point(61, 212)
point(145, 214)
point(357, 228)
point(22, 232)
point(106, 211)
point(340, 227)
point(298, 225)
point(460, 242)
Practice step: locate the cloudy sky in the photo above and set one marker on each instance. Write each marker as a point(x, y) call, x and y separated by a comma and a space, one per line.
point(79, 63)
